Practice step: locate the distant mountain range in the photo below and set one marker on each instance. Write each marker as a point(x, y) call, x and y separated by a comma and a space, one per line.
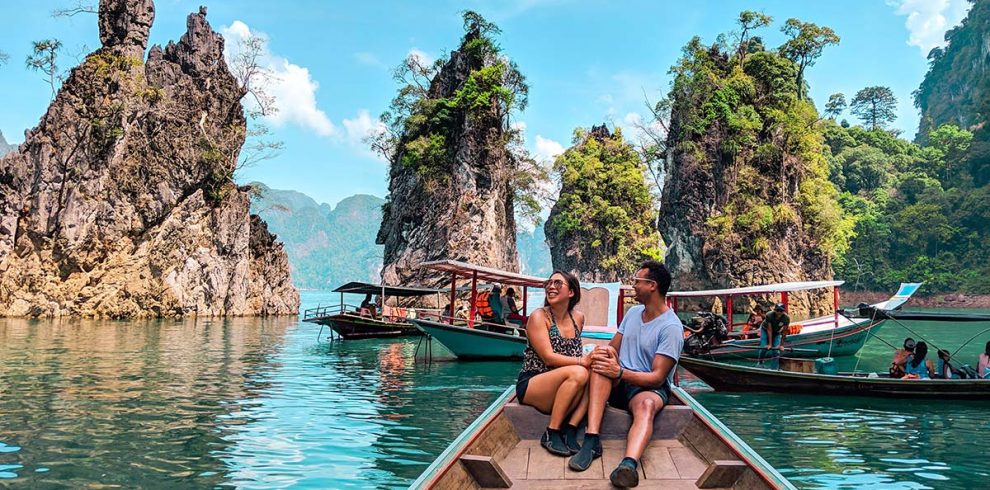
point(5, 147)
point(329, 246)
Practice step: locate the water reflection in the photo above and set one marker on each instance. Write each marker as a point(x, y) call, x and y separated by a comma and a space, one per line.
point(112, 403)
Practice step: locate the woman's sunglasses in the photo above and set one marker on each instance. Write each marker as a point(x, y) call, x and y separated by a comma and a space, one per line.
point(553, 283)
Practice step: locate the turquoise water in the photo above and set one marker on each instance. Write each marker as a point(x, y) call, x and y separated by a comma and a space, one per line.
point(258, 403)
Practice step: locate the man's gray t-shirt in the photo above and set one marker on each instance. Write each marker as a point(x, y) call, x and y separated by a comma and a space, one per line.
point(641, 342)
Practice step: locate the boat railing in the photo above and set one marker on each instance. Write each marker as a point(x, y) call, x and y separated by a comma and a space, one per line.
point(325, 311)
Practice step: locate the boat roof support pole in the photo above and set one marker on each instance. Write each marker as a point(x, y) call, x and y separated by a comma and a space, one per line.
point(835, 304)
point(474, 298)
point(453, 296)
point(728, 311)
point(525, 304)
point(783, 299)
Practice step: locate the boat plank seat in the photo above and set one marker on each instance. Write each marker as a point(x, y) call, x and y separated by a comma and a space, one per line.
point(722, 474)
point(668, 424)
point(486, 471)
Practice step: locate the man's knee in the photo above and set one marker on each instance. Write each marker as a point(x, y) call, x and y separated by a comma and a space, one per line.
point(646, 407)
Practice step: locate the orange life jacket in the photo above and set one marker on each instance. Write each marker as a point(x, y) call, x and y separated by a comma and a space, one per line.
point(483, 306)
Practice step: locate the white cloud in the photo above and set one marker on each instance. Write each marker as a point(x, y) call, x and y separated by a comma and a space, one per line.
point(424, 57)
point(927, 20)
point(366, 58)
point(547, 149)
point(359, 128)
point(292, 86)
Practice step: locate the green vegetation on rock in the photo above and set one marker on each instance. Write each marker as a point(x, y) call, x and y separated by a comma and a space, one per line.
point(603, 223)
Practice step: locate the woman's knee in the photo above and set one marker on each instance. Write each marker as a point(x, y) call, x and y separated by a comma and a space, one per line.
point(577, 374)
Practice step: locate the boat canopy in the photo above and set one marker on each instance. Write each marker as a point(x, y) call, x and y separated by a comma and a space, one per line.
point(399, 291)
point(782, 287)
point(488, 274)
point(870, 311)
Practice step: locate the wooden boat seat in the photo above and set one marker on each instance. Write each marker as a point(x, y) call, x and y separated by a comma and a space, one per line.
point(668, 424)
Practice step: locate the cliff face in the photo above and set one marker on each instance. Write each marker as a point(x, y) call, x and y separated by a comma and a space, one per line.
point(120, 203)
point(449, 182)
point(746, 199)
point(602, 225)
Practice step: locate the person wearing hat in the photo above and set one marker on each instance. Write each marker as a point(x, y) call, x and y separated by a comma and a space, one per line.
point(772, 335)
point(901, 357)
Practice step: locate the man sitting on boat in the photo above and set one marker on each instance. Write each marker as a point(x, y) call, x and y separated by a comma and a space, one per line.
point(368, 307)
point(634, 372)
point(900, 358)
point(772, 335)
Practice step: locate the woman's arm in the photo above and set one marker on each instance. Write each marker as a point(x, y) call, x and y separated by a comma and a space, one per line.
point(538, 333)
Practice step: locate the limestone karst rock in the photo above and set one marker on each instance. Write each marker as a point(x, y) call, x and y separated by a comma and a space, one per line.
point(449, 184)
point(121, 203)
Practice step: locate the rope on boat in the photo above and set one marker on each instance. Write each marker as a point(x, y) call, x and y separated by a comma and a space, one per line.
point(869, 332)
point(968, 341)
point(428, 355)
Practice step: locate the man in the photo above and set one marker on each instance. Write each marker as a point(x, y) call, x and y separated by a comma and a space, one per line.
point(634, 372)
point(901, 357)
point(772, 335)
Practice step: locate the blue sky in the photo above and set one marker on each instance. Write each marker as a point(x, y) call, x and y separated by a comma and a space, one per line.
point(586, 62)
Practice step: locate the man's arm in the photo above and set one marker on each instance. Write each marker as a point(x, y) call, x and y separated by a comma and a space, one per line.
point(661, 368)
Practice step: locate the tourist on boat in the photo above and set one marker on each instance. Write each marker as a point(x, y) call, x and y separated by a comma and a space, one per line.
point(495, 302)
point(983, 368)
point(634, 372)
point(754, 321)
point(917, 366)
point(514, 310)
point(772, 335)
point(555, 368)
point(368, 306)
point(901, 357)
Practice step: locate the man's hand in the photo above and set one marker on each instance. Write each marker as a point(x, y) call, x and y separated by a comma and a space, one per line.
point(605, 364)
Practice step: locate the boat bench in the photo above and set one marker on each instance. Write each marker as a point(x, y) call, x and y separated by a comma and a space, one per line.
point(674, 425)
point(668, 424)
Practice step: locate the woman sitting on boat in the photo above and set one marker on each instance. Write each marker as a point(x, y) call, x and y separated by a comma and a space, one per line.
point(555, 370)
point(917, 367)
point(754, 321)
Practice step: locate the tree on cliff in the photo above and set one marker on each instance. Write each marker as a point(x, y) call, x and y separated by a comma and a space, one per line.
point(747, 198)
point(44, 59)
point(4, 58)
point(876, 106)
point(457, 168)
point(807, 40)
point(835, 106)
point(603, 223)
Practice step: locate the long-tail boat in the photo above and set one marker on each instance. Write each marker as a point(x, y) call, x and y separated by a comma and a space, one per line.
point(833, 335)
point(689, 448)
point(472, 338)
point(469, 338)
point(351, 322)
point(733, 377)
point(804, 376)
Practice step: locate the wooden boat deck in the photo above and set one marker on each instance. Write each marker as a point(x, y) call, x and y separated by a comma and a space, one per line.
point(683, 453)
point(666, 464)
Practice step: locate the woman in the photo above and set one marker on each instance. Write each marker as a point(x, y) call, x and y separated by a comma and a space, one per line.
point(514, 309)
point(555, 369)
point(917, 367)
point(983, 370)
point(943, 367)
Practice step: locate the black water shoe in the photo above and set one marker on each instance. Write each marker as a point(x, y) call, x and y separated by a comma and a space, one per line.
point(553, 441)
point(591, 449)
point(626, 474)
point(571, 439)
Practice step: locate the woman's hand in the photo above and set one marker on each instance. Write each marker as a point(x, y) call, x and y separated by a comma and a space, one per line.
point(585, 361)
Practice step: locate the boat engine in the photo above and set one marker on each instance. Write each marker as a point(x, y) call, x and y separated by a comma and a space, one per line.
point(707, 330)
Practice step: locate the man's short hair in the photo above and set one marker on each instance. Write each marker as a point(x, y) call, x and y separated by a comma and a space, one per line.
point(659, 273)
